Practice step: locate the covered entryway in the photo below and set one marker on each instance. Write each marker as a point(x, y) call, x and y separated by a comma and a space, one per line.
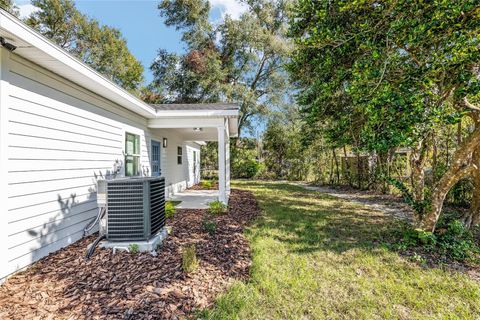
point(201, 123)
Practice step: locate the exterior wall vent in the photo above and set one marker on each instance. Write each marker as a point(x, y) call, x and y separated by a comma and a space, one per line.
point(135, 208)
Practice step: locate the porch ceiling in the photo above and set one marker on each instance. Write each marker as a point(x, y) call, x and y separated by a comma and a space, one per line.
point(186, 126)
point(188, 134)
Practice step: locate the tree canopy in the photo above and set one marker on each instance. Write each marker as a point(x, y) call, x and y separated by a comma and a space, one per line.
point(233, 60)
point(99, 46)
point(381, 75)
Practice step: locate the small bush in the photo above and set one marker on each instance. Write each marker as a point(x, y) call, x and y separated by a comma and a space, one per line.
point(209, 226)
point(217, 207)
point(453, 241)
point(457, 242)
point(169, 209)
point(133, 248)
point(189, 259)
point(206, 184)
point(245, 168)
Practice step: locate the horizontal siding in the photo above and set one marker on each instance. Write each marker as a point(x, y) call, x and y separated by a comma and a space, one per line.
point(60, 140)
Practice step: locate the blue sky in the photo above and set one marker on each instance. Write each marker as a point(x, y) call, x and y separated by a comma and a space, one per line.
point(140, 23)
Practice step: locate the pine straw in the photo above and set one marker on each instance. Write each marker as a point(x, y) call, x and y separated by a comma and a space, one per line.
point(136, 286)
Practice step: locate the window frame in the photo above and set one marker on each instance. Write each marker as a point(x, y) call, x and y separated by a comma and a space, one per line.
point(134, 156)
point(179, 155)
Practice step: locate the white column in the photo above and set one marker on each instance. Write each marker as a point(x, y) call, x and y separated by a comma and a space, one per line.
point(222, 193)
point(227, 159)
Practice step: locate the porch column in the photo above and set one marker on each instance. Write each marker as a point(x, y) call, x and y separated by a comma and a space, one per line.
point(227, 163)
point(222, 192)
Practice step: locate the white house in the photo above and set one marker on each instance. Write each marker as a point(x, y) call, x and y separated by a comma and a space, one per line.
point(63, 126)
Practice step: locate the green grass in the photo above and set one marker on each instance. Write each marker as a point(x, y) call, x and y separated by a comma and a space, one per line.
point(319, 257)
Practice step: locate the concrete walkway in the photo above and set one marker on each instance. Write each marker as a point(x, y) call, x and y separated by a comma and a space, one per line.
point(194, 199)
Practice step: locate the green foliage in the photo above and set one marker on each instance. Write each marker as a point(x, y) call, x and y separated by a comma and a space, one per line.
point(245, 168)
point(378, 76)
point(244, 155)
point(209, 226)
point(189, 259)
point(217, 207)
point(206, 184)
point(453, 241)
point(236, 60)
point(101, 47)
point(133, 248)
point(461, 194)
point(457, 242)
point(170, 209)
point(420, 207)
point(283, 152)
point(9, 5)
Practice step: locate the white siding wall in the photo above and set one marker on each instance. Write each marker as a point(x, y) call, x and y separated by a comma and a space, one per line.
point(58, 140)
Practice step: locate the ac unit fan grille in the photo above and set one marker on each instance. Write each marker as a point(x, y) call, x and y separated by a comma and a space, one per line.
point(125, 218)
point(157, 205)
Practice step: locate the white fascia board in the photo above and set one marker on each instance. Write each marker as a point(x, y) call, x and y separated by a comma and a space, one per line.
point(73, 67)
point(184, 122)
point(196, 113)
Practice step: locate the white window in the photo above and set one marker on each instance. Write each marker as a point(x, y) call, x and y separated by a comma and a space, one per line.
point(132, 154)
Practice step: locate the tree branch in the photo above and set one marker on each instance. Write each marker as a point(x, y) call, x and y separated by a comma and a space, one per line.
point(469, 105)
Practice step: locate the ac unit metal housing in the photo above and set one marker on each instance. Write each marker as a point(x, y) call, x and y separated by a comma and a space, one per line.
point(135, 208)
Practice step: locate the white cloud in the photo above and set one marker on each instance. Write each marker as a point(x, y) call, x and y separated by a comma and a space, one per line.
point(231, 7)
point(26, 9)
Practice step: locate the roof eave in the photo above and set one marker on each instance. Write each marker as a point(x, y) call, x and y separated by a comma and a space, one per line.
point(197, 113)
point(67, 66)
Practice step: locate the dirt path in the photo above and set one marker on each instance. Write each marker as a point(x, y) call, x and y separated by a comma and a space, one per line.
point(388, 204)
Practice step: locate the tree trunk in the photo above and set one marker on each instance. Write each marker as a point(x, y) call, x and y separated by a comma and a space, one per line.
point(347, 167)
point(461, 166)
point(472, 218)
point(337, 170)
point(359, 170)
point(417, 164)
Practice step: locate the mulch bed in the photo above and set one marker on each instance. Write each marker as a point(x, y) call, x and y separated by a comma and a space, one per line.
point(200, 187)
point(64, 285)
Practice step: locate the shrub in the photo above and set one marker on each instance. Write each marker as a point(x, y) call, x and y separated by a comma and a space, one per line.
point(245, 168)
point(453, 241)
point(217, 207)
point(206, 184)
point(133, 248)
point(189, 259)
point(169, 209)
point(209, 226)
point(457, 242)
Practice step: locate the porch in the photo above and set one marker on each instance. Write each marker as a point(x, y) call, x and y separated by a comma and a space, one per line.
point(195, 199)
point(201, 123)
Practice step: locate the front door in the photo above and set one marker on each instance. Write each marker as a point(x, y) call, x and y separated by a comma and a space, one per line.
point(155, 156)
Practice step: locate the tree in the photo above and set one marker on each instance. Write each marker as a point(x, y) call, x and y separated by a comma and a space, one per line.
point(392, 72)
point(9, 6)
point(283, 152)
point(235, 60)
point(101, 47)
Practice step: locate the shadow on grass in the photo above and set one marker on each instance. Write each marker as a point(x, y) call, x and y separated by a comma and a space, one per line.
point(310, 221)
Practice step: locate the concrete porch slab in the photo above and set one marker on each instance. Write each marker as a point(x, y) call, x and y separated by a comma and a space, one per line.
point(194, 199)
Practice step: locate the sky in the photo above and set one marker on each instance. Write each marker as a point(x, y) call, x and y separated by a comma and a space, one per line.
point(140, 23)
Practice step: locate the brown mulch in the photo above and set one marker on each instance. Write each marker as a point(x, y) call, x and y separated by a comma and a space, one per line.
point(64, 285)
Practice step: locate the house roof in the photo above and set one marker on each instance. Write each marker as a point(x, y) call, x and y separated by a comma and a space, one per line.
point(196, 106)
point(33, 46)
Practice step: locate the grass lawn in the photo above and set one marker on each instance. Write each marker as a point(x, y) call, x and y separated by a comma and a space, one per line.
point(319, 257)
